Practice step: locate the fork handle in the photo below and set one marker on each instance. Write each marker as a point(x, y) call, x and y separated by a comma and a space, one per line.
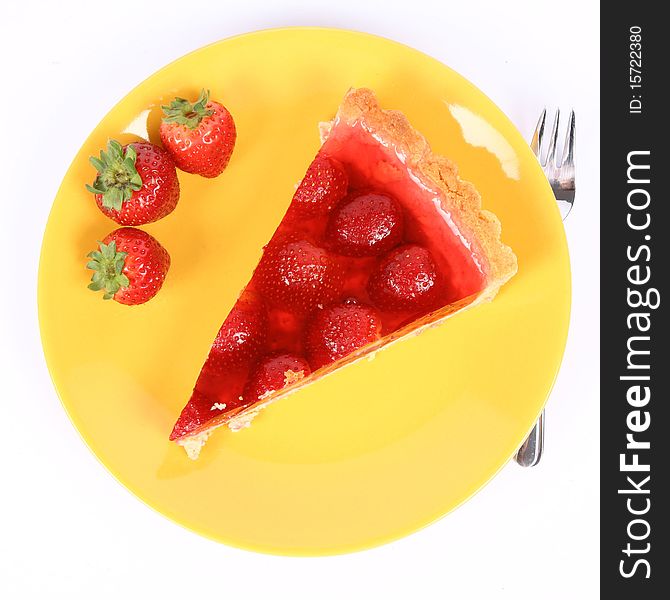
point(530, 452)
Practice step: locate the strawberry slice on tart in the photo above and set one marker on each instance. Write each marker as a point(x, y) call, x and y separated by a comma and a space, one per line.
point(382, 239)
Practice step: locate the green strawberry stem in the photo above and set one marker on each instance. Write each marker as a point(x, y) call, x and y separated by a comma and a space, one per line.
point(117, 175)
point(107, 265)
point(182, 112)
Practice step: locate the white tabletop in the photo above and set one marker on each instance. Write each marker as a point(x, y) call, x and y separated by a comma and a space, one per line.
point(67, 528)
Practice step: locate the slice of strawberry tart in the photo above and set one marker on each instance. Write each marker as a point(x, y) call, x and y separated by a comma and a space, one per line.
point(381, 239)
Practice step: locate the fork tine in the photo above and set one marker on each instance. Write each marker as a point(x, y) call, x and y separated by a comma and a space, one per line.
point(569, 145)
point(538, 134)
point(551, 152)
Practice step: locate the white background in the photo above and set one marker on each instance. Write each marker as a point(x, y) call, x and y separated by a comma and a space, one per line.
point(68, 529)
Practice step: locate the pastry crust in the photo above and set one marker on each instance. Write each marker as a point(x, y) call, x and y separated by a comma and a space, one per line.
point(459, 199)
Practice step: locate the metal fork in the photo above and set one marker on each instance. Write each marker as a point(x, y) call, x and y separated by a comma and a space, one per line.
point(561, 176)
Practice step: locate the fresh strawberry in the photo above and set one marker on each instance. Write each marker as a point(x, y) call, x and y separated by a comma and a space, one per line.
point(404, 279)
point(135, 184)
point(296, 275)
point(365, 225)
point(200, 136)
point(322, 187)
point(338, 330)
point(130, 266)
point(242, 334)
point(273, 373)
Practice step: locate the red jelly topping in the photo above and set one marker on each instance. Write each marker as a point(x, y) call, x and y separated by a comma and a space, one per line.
point(336, 331)
point(365, 224)
point(364, 249)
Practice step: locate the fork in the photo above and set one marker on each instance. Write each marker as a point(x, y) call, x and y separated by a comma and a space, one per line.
point(561, 176)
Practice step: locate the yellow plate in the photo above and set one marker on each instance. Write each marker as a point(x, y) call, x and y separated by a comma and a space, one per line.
point(382, 447)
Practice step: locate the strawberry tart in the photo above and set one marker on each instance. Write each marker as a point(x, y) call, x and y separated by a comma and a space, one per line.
point(381, 239)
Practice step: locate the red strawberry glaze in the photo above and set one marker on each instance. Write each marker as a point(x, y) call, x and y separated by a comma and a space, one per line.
point(273, 373)
point(241, 338)
point(338, 330)
point(366, 224)
point(296, 275)
point(302, 275)
point(406, 279)
point(323, 186)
